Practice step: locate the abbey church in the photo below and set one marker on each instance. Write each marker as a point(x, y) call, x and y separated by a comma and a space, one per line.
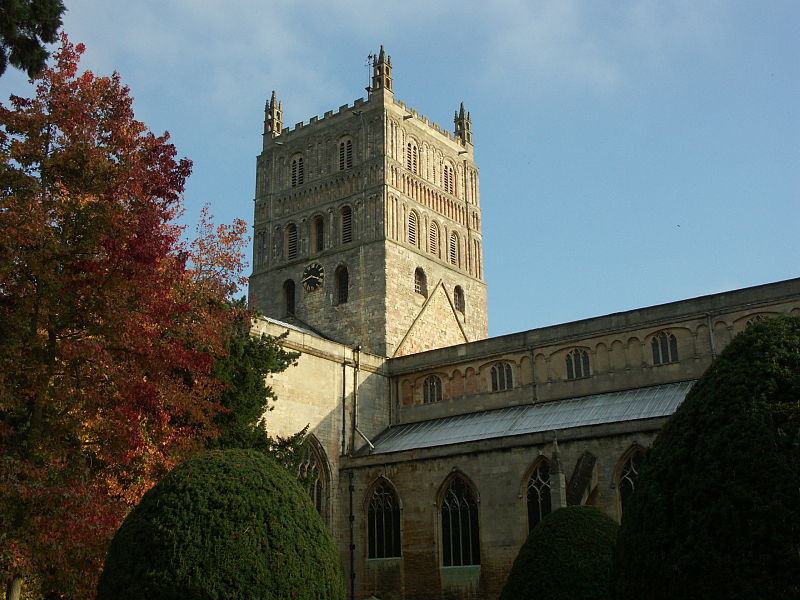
point(435, 449)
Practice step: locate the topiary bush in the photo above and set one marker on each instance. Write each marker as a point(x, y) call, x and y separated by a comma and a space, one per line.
point(716, 513)
point(228, 524)
point(566, 556)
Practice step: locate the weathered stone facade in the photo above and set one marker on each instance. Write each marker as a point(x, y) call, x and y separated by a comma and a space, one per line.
point(411, 397)
point(380, 191)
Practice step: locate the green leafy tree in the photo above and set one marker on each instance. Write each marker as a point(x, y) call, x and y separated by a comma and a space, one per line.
point(566, 557)
point(226, 524)
point(25, 26)
point(716, 513)
point(246, 396)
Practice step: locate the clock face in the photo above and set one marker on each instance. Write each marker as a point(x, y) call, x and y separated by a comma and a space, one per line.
point(313, 276)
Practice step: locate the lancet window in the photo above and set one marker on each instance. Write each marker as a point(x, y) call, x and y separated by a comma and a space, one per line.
point(383, 522)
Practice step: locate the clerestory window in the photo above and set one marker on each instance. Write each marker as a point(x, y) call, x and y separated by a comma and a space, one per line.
point(432, 389)
point(665, 348)
point(578, 364)
point(502, 378)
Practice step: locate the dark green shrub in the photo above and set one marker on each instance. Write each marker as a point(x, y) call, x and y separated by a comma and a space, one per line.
point(566, 556)
point(716, 513)
point(229, 525)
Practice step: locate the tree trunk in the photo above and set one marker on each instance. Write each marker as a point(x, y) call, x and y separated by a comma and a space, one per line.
point(14, 588)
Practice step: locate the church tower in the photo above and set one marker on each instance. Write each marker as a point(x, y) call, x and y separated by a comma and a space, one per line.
point(367, 225)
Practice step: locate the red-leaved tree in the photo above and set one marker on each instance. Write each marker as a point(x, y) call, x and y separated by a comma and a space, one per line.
point(109, 325)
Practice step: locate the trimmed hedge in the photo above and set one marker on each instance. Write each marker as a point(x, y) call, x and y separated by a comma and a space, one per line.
point(566, 556)
point(716, 513)
point(230, 525)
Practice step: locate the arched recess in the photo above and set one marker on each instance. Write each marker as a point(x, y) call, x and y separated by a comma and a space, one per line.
point(315, 473)
point(625, 475)
point(456, 384)
point(457, 503)
point(383, 509)
point(536, 491)
point(601, 358)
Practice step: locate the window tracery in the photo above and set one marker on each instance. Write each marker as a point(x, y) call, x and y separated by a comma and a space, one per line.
point(460, 530)
point(578, 364)
point(665, 348)
point(383, 522)
point(502, 378)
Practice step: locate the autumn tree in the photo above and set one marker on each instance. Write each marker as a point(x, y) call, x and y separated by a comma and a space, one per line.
point(25, 27)
point(109, 325)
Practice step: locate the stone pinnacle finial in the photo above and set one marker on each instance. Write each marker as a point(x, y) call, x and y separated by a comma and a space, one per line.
point(273, 121)
point(381, 72)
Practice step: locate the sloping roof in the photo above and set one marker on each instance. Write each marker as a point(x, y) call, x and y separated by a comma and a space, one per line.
point(294, 327)
point(612, 407)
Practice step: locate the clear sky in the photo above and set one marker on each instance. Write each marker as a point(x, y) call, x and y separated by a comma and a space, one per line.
point(631, 153)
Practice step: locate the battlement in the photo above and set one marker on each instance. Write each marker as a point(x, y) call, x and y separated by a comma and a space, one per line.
point(435, 126)
point(344, 108)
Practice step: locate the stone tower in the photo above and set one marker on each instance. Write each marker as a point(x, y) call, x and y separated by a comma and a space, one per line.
point(367, 225)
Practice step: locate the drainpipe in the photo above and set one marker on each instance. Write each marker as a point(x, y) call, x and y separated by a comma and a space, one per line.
point(356, 367)
point(351, 489)
point(344, 407)
point(533, 374)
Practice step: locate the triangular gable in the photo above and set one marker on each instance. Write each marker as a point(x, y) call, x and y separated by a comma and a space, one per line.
point(436, 325)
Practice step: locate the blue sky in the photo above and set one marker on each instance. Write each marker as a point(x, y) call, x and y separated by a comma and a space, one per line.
point(631, 153)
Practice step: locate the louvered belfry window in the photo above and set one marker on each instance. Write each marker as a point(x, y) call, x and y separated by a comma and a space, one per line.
point(347, 225)
point(298, 171)
point(345, 154)
point(291, 241)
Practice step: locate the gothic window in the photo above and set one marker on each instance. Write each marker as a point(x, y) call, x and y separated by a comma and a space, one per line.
point(290, 236)
point(347, 225)
point(538, 493)
point(665, 348)
point(454, 257)
point(420, 282)
point(342, 284)
point(318, 226)
point(458, 298)
point(578, 364)
point(432, 389)
point(288, 296)
point(627, 474)
point(413, 222)
point(383, 522)
point(298, 170)
point(412, 157)
point(754, 320)
point(460, 532)
point(433, 238)
point(501, 377)
point(449, 179)
point(313, 474)
point(345, 153)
